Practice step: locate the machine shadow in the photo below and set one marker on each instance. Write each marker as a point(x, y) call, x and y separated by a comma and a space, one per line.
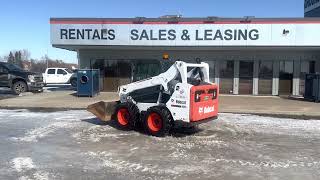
point(96, 121)
point(175, 132)
point(185, 131)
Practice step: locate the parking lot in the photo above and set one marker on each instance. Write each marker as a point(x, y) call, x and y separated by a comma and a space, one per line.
point(75, 145)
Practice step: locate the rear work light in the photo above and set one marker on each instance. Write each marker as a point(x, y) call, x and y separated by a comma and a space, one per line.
point(213, 92)
point(197, 95)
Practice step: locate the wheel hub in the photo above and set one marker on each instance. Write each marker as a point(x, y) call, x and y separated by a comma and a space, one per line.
point(154, 122)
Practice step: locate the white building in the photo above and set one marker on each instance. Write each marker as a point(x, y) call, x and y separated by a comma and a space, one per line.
point(246, 55)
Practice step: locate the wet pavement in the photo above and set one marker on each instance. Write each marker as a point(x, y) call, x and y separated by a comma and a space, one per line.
point(74, 145)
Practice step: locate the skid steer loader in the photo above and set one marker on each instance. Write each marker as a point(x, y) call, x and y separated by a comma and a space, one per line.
point(183, 95)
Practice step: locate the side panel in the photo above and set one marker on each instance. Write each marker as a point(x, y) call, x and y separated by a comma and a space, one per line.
point(203, 102)
point(178, 104)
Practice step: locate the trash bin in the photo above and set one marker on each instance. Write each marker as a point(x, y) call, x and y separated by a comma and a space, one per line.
point(88, 82)
point(312, 87)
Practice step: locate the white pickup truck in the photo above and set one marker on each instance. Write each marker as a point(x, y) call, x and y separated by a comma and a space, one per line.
point(60, 76)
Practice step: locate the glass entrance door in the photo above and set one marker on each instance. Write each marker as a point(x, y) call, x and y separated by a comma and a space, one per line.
point(226, 77)
point(306, 67)
point(265, 77)
point(245, 77)
point(285, 77)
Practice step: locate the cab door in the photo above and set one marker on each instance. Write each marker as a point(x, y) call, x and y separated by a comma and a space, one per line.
point(4, 76)
point(62, 76)
point(51, 76)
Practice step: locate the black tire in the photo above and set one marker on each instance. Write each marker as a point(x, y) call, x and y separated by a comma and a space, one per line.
point(164, 125)
point(73, 82)
point(19, 87)
point(131, 116)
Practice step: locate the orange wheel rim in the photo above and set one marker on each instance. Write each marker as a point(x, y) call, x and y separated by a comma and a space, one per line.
point(123, 116)
point(154, 122)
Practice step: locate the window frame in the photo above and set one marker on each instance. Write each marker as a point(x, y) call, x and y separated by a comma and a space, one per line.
point(54, 70)
point(63, 71)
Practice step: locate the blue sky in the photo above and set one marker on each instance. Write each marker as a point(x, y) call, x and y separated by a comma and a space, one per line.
point(25, 24)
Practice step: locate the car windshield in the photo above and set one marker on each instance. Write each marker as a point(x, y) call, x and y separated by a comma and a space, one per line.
point(68, 70)
point(13, 67)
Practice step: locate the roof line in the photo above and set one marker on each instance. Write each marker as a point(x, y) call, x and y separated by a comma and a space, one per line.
point(183, 21)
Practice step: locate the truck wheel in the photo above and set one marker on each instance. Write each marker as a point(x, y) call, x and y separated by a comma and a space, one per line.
point(19, 87)
point(158, 121)
point(126, 115)
point(73, 82)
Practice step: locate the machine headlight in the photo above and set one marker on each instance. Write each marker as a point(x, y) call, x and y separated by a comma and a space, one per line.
point(31, 78)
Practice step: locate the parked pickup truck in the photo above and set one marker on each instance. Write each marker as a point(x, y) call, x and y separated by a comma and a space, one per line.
point(19, 80)
point(59, 76)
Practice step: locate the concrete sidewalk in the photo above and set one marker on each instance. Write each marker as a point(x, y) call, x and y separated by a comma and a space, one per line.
point(65, 100)
point(271, 105)
point(56, 100)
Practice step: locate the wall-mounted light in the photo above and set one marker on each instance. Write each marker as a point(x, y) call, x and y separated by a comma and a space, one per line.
point(165, 56)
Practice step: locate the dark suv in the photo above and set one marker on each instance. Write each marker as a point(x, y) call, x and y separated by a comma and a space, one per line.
point(19, 80)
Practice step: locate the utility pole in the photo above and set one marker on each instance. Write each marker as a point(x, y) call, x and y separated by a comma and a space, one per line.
point(47, 58)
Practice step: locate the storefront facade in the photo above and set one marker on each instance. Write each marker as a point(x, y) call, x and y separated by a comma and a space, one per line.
point(246, 56)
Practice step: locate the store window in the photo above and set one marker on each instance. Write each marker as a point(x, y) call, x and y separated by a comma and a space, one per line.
point(306, 67)
point(226, 77)
point(211, 70)
point(116, 73)
point(265, 77)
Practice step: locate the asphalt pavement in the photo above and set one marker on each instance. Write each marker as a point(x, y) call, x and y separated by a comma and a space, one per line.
point(75, 145)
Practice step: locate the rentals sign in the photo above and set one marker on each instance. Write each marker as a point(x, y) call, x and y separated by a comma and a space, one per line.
point(185, 34)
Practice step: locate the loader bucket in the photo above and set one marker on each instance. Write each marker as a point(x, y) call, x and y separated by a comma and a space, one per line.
point(102, 110)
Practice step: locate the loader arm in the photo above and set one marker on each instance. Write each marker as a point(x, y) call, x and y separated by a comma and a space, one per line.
point(162, 79)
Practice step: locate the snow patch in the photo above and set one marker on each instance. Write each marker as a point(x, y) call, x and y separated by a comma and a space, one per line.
point(96, 133)
point(38, 133)
point(39, 175)
point(110, 161)
point(22, 163)
point(25, 164)
point(272, 125)
point(265, 164)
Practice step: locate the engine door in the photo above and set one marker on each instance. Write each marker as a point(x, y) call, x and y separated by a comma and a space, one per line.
point(203, 102)
point(178, 104)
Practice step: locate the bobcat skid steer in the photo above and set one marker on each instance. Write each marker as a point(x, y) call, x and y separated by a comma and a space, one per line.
point(181, 95)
